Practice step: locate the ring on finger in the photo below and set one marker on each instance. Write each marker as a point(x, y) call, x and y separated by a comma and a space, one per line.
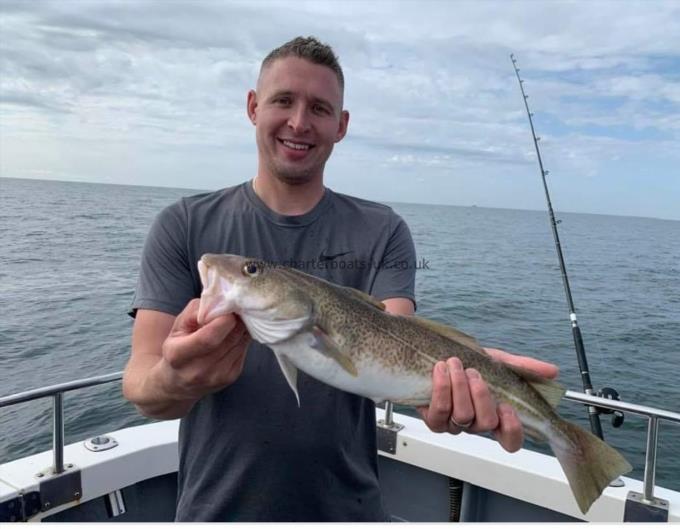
point(463, 426)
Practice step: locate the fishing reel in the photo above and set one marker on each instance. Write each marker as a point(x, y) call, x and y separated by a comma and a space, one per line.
point(611, 394)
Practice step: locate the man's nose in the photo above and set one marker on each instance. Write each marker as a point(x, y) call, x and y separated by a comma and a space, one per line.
point(299, 119)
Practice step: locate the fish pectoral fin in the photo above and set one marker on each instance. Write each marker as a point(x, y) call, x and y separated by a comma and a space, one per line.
point(364, 297)
point(550, 390)
point(451, 333)
point(326, 345)
point(290, 373)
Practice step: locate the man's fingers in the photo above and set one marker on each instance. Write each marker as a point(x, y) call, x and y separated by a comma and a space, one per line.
point(463, 408)
point(541, 368)
point(439, 411)
point(509, 433)
point(235, 344)
point(186, 321)
point(184, 346)
point(212, 334)
point(453, 429)
point(229, 367)
point(486, 418)
point(235, 335)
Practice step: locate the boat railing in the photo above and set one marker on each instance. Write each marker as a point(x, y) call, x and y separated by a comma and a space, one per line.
point(57, 393)
point(654, 415)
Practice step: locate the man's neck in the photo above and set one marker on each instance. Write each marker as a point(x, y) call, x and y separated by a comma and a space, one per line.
point(286, 199)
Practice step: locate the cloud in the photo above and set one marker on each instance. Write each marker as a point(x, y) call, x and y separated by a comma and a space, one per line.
point(429, 84)
point(437, 153)
point(640, 87)
point(29, 100)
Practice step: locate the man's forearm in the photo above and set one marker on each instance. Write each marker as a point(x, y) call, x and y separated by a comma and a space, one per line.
point(146, 390)
point(165, 410)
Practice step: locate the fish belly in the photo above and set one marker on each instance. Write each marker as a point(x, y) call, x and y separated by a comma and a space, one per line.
point(373, 381)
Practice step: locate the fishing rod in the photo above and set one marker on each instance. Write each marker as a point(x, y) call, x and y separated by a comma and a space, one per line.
point(593, 412)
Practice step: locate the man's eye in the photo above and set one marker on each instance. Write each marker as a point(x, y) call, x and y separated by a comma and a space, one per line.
point(320, 109)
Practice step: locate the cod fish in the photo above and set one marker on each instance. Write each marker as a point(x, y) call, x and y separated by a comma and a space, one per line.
point(343, 337)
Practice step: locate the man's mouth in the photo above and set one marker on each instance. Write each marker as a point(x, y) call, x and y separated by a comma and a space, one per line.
point(296, 145)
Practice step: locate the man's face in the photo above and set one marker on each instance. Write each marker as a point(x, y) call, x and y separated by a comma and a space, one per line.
point(298, 117)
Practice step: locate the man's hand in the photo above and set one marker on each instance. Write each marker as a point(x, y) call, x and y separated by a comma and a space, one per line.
point(201, 360)
point(461, 397)
point(175, 361)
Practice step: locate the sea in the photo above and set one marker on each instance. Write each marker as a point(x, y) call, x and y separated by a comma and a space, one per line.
point(69, 259)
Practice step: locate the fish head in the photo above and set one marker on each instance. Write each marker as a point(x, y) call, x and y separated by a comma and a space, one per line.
point(260, 292)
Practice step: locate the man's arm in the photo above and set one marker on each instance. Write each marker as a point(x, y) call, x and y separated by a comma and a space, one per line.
point(399, 306)
point(474, 403)
point(174, 361)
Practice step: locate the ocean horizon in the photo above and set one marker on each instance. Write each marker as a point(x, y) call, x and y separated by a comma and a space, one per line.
point(198, 190)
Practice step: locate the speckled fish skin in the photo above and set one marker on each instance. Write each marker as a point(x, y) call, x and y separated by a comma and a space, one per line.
point(345, 338)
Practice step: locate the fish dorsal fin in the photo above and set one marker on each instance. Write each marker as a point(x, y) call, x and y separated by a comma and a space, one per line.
point(290, 373)
point(364, 297)
point(326, 345)
point(550, 390)
point(451, 333)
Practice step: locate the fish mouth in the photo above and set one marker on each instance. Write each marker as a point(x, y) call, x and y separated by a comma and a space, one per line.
point(213, 302)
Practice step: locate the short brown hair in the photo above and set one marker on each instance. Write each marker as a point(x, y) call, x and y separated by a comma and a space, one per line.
point(311, 49)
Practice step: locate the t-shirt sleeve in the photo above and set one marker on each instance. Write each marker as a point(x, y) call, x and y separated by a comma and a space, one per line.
point(165, 281)
point(396, 275)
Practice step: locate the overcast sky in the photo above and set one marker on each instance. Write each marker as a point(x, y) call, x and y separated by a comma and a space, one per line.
point(153, 93)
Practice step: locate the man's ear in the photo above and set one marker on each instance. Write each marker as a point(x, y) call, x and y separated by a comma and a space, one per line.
point(342, 126)
point(251, 105)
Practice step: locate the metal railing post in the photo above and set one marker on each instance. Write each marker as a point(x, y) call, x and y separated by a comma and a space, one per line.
point(58, 433)
point(389, 408)
point(387, 430)
point(650, 458)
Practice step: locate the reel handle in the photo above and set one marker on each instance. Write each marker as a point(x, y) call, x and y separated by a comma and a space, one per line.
point(617, 416)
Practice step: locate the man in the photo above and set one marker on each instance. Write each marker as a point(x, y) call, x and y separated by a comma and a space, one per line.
point(247, 452)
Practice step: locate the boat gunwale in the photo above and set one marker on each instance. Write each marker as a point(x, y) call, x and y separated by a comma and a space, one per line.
point(57, 390)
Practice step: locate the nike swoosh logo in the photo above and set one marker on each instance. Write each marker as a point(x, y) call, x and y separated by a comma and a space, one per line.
point(323, 257)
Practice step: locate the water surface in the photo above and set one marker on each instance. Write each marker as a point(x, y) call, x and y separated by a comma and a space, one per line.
point(69, 261)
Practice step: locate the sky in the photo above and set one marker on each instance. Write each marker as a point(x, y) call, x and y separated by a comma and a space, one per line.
point(154, 92)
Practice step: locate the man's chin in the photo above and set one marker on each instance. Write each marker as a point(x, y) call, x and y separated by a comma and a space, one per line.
point(295, 180)
point(297, 177)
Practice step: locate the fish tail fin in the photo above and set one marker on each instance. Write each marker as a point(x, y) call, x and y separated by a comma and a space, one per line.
point(589, 463)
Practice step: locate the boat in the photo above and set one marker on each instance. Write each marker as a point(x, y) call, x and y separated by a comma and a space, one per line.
point(130, 475)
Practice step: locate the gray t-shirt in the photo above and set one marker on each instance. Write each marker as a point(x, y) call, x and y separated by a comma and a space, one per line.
point(248, 453)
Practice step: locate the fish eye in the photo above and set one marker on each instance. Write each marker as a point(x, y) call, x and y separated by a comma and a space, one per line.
point(251, 269)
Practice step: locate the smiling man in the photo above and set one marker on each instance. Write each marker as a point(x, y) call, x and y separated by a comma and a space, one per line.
point(247, 451)
point(298, 114)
